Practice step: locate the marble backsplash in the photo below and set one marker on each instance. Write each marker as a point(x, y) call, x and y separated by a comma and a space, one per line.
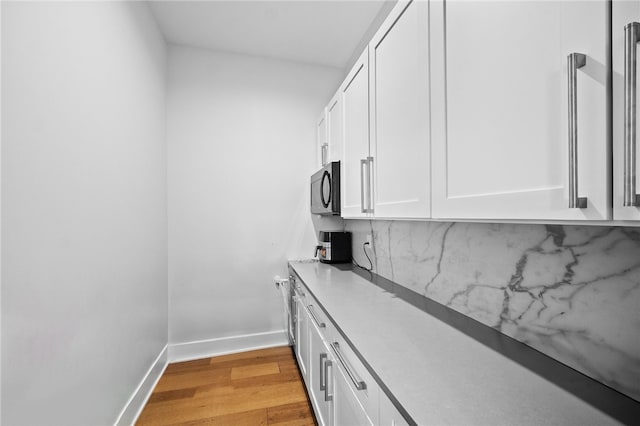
point(571, 292)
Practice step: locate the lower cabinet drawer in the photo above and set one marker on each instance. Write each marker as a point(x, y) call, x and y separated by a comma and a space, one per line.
point(320, 318)
point(347, 408)
point(364, 387)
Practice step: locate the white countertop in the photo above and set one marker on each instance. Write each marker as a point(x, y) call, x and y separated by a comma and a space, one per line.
point(439, 375)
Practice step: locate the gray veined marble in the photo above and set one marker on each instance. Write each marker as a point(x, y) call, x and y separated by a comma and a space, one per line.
point(572, 292)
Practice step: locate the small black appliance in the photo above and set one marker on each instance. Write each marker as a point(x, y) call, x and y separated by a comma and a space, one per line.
point(334, 247)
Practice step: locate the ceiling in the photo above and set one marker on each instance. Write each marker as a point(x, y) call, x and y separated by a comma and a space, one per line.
point(322, 32)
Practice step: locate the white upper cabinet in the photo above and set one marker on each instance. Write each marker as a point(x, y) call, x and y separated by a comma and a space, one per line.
point(625, 20)
point(385, 121)
point(501, 113)
point(334, 122)
point(322, 145)
point(354, 94)
point(399, 108)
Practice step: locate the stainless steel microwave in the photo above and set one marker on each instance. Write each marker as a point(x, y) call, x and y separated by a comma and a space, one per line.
point(325, 190)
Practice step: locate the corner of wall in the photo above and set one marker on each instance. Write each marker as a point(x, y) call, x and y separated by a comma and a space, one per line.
point(138, 399)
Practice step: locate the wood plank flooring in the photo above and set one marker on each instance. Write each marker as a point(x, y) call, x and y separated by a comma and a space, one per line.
point(262, 387)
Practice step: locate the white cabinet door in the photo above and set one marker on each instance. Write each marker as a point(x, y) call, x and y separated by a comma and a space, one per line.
point(347, 409)
point(355, 122)
point(321, 371)
point(500, 109)
point(364, 387)
point(624, 13)
point(302, 338)
point(322, 146)
point(334, 122)
point(399, 95)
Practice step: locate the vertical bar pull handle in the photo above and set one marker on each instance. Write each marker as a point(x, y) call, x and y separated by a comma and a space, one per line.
point(323, 372)
point(370, 185)
point(327, 397)
point(574, 61)
point(363, 164)
point(325, 154)
point(631, 39)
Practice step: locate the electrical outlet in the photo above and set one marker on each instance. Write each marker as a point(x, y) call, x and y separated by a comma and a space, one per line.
point(369, 239)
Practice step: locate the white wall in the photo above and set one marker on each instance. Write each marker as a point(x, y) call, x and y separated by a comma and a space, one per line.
point(0, 220)
point(84, 259)
point(240, 151)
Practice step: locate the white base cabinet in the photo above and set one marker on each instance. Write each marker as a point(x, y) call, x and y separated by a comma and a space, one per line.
point(362, 385)
point(321, 384)
point(341, 389)
point(302, 346)
point(348, 410)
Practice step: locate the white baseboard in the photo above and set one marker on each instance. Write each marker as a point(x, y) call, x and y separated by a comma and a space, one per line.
point(226, 345)
point(193, 350)
point(131, 411)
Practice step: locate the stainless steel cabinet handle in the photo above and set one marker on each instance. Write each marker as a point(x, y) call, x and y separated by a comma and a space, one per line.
point(359, 384)
point(315, 319)
point(574, 61)
point(363, 163)
point(370, 184)
point(325, 150)
point(323, 373)
point(631, 39)
point(327, 397)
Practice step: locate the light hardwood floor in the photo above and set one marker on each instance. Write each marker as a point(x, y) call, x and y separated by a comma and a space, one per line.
point(261, 387)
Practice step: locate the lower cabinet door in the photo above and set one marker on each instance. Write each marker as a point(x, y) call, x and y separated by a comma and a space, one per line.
point(321, 368)
point(302, 338)
point(347, 409)
point(363, 385)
